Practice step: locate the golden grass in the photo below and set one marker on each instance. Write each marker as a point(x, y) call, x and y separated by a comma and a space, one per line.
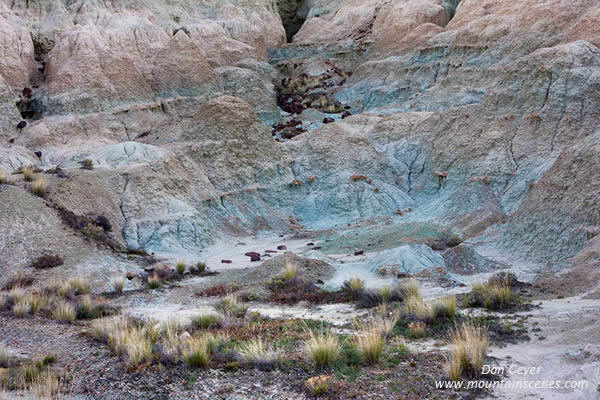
point(64, 312)
point(493, 296)
point(4, 177)
point(258, 352)
point(419, 308)
point(385, 322)
point(28, 174)
point(445, 308)
point(411, 288)
point(470, 350)
point(196, 352)
point(323, 349)
point(231, 307)
point(46, 386)
point(371, 345)
point(118, 284)
point(21, 308)
point(80, 285)
point(318, 385)
point(290, 271)
point(354, 285)
point(16, 293)
point(3, 300)
point(40, 187)
point(124, 337)
point(416, 329)
point(35, 302)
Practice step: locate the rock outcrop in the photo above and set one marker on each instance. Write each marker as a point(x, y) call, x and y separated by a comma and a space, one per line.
point(200, 121)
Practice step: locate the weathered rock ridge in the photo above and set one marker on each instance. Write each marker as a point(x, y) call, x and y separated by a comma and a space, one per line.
point(476, 116)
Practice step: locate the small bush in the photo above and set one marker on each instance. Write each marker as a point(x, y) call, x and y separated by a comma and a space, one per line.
point(470, 350)
point(47, 261)
point(231, 307)
point(206, 321)
point(87, 163)
point(118, 284)
point(198, 269)
point(323, 350)
point(40, 187)
point(180, 267)
point(371, 345)
point(318, 385)
point(64, 312)
point(28, 174)
point(257, 353)
point(196, 353)
point(416, 329)
point(154, 282)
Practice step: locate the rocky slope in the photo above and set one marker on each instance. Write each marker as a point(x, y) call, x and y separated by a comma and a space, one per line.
point(436, 135)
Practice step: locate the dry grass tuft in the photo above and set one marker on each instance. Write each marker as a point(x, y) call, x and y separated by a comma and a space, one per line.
point(207, 321)
point(5, 177)
point(416, 329)
point(256, 352)
point(35, 302)
point(196, 352)
point(371, 345)
point(470, 349)
point(65, 312)
point(46, 386)
point(125, 337)
point(411, 288)
point(118, 284)
point(28, 174)
point(323, 350)
point(231, 307)
point(21, 308)
point(40, 187)
point(5, 358)
point(154, 282)
point(493, 296)
point(290, 272)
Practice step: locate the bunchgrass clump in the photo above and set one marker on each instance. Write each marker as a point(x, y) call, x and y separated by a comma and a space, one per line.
point(318, 385)
point(411, 288)
point(4, 177)
point(371, 345)
point(323, 349)
point(180, 267)
point(21, 308)
point(493, 296)
point(46, 385)
point(28, 174)
point(196, 352)
point(35, 302)
point(354, 286)
point(39, 187)
point(421, 310)
point(118, 284)
point(79, 286)
point(206, 321)
point(231, 307)
point(385, 321)
point(154, 282)
point(290, 271)
point(64, 312)
point(135, 340)
point(416, 329)
point(470, 350)
point(258, 353)
point(445, 308)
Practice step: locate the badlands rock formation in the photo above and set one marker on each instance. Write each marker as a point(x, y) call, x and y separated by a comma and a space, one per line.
point(460, 135)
